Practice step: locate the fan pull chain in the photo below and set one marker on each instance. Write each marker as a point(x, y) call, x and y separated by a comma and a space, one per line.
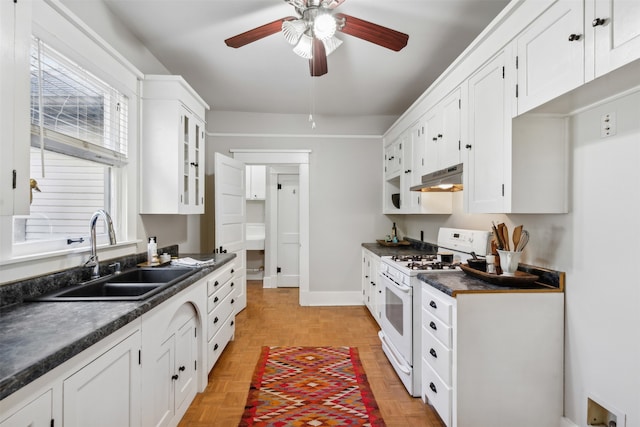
point(312, 102)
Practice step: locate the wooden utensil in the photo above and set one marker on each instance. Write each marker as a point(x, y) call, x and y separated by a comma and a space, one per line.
point(504, 235)
point(517, 232)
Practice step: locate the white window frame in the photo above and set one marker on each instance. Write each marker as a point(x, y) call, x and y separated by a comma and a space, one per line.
point(57, 26)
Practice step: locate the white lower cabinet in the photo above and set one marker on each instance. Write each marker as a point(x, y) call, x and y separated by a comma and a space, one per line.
point(98, 387)
point(36, 413)
point(106, 392)
point(493, 359)
point(371, 290)
point(222, 293)
point(170, 371)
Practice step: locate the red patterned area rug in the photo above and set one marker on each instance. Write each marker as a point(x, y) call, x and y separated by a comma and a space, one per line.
point(310, 387)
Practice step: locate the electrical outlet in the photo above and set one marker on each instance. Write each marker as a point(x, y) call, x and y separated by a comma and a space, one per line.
point(608, 125)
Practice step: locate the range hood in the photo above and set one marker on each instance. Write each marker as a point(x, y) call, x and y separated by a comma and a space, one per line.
point(448, 179)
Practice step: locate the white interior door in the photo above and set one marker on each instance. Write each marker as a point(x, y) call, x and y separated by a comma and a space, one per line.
point(230, 217)
point(288, 231)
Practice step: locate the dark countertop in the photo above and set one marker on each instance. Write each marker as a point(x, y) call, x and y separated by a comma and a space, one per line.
point(416, 248)
point(453, 283)
point(36, 337)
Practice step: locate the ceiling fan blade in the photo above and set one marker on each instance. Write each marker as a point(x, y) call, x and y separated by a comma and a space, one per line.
point(318, 62)
point(374, 33)
point(257, 33)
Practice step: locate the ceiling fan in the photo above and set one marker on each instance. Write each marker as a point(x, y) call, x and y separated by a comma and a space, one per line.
point(312, 32)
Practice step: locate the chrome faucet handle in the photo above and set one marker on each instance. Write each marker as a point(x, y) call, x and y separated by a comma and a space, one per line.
point(116, 267)
point(92, 261)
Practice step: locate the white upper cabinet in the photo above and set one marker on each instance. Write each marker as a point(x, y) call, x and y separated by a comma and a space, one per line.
point(616, 34)
point(443, 133)
point(15, 38)
point(550, 55)
point(392, 159)
point(173, 147)
point(489, 125)
point(256, 182)
point(513, 166)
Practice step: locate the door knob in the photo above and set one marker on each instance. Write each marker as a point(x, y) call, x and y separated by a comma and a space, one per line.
point(574, 37)
point(598, 21)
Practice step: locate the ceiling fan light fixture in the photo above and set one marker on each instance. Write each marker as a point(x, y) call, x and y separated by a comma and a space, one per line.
point(324, 26)
point(331, 44)
point(304, 48)
point(293, 30)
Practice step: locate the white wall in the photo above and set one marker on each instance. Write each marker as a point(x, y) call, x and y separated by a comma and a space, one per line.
point(596, 245)
point(345, 173)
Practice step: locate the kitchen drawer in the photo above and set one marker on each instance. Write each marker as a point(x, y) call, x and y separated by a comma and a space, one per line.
point(220, 341)
point(225, 275)
point(437, 327)
point(218, 316)
point(437, 303)
point(436, 392)
point(216, 298)
point(436, 355)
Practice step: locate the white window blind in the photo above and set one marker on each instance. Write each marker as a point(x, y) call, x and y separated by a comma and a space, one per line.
point(73, 112)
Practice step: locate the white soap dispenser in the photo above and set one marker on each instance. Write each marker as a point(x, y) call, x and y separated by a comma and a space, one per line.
point(152, 251)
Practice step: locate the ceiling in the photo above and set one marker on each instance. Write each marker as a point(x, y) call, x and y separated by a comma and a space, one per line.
point(187, 36)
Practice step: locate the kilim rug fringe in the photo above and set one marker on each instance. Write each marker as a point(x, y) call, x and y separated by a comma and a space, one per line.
point(310, 387)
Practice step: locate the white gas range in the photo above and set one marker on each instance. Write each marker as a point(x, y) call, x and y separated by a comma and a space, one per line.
point(400, 334)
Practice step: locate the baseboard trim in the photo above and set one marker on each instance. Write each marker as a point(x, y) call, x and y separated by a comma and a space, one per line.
point(331, 298)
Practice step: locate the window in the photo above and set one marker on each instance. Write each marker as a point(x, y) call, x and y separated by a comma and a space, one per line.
point(78, 146)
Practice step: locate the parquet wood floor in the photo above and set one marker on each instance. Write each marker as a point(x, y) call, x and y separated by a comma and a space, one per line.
point(273, 317)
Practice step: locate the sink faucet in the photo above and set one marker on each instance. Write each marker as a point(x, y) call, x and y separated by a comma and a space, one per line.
point(93, 259)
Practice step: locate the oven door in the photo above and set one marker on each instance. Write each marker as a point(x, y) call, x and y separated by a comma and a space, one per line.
point(396, 321)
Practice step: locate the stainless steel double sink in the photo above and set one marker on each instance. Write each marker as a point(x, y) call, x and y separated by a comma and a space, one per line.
point(132, 285)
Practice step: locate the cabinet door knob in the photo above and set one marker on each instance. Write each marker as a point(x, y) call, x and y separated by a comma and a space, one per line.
point(215, 320)
point(181, 368)
point(433, 304)
point(175, 377)
point(434, 138)
point(439, 135)
point(433, 326)
point(215, 299)
point(215, 347)
point(574, 37)
point(194, 164)
point(468, 146)
point(432, 386)
point(598, 21)
point(433, 353)
point(231, 285)
point(232, 270)
point(216, 283)
point(232, 301)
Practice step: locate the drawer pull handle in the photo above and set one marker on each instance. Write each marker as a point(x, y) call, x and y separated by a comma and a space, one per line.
point(175, 377)
point(232, 323)
point(232, 271)
point(216, 299)
point(598, 21)
point(215, 320)
point(574, 37)
point(232, 284)
point(232, 301)
point(433, 326)
point(433, 353)
point(433, 304)
point(432, 386)
point(181, 368)
point(216, 283)
point(215, 347)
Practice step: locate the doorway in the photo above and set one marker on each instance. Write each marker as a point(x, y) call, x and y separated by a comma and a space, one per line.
point(283, 162)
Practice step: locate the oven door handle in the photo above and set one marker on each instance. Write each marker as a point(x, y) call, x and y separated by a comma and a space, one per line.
point(399, 362)
point(400, 286)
